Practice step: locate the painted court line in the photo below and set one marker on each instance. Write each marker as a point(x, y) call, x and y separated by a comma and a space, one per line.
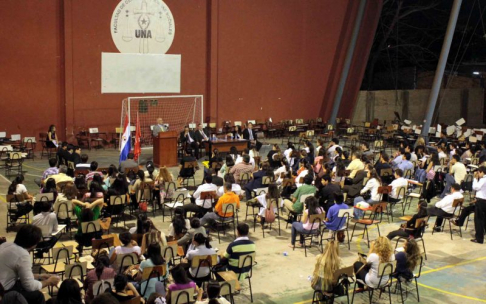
point(451, 293)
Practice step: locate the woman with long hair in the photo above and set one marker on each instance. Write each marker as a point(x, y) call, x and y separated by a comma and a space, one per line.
point(69, 293)
point(52, 141)
point(263, 200)
point(111, 176)
point(274, 156)
point(327, 263)
point(102, 271)
point(407, 259)
point(339, 172)
point(288, 151)
point(408, 229)
point(81, 185)
point(69, 192)
point(305, 226)
point(180, 281)
point(213, 290)
point(95, 189)
point(372, 185)
point(179, 225)
point(303, 169)
point(99, 179)
point(228, 164)
point(49, 187)
point(201, 247)
point(380, 252)
point(124, 290)
point(309, 148)
point(154, 258)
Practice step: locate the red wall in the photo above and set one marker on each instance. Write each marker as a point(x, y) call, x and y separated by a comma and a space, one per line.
point(250, 59)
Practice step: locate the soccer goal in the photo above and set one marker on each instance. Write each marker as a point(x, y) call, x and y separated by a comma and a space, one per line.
point(176, 112)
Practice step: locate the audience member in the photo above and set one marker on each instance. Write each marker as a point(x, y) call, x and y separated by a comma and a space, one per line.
point(296, 205)
point(69, 293)
point(333, 221)
point(93, 169)
point(16, 265)
point(23, 198)
point(180, 281)
point(201, 206)
point(196, 228)
point(444, 207)
point(457, 174)
point(408, 229)
point(155, 284)
point(372, 185)
point(326, 194)
point(213, 290)
point(62, 175)
point(407, 260)
point(355, 165)
point(479, 185)
point(102, 271)
point(123, 290)
point(241, 168)
point(326, 265)
point(201, 248)
point(305, 225)
point(179, 225)
point(84, 162)
point(221, 210)
point(47, 219)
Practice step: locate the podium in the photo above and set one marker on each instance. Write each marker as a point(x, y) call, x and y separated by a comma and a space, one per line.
point(165, 149)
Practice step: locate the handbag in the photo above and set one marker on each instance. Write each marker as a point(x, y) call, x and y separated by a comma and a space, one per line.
point(431, 174)
point(269, 215)
point(142, 206)
point(132, 272)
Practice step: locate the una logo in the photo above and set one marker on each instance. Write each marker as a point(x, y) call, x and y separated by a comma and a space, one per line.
point(142, 26)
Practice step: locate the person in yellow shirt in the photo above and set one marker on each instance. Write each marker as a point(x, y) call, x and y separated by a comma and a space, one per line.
point(221, 206)
point(62, 175)
point(355, 165)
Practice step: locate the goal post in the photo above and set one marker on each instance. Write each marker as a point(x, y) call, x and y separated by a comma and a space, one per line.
point(176, 111)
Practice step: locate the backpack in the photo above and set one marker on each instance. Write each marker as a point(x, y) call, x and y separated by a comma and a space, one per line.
point(269, 214)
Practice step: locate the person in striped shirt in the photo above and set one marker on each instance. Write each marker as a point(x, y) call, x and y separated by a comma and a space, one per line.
point(241, 246)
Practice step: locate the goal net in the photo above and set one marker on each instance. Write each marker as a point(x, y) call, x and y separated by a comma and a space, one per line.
point(176, 112)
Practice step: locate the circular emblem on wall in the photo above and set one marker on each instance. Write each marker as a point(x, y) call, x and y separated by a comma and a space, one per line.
point(142, 26)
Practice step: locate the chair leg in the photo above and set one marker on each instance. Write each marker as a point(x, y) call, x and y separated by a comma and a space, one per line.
point(416, 288)
point(352, 233)
point(354, 291)
point(251, 292)
point(367, 235)
point(423, 245)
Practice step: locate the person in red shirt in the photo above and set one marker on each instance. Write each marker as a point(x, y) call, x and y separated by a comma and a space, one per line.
point(221, 209)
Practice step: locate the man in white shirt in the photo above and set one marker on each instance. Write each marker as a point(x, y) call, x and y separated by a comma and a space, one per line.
point(457, 174)
point(331, 149)
point(16, 265)
point(479, 185)
point(444, 207)
point(441, 153)
point(239, 159)
point(47, 219)
point(201, 206)
point(397, 183)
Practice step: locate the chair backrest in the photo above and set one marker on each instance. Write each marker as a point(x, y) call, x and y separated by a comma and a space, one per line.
point(125, 260)
point(384, 189)
point(44, 197)
point(169, 252)
point(15, 155)
point(182, 296)
point(59, 253)
point(349, 271)
point(260, 191)
point(317, 218)
point(207, 195)
point(117, 200)
point(303, 197)
point(136, 300)
point(386, 172)
point(29, 140)
point(192, 164)
point(99, 287)
point(204, 260)
point(64, 210)
point(457, 204)
point(266, 180)
point(74, 270)
point(227, 287)
point(386, 269)
point(244, 176)
point(154, 272)
point(103, 243)
point(46, 233)
point(229, 208)
point(90, 227)
point(246, 261)
point(93, 130)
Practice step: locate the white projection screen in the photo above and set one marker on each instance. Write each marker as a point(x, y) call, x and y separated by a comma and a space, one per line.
point(140, 73)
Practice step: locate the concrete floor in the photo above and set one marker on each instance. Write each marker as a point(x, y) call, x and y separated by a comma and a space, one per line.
point(453, 273)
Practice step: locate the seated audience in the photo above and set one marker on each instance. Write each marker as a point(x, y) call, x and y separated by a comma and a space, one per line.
point(397, 183)
point(86, 212)
point(195, 229)
point(457, 174)
point(407, 260)
point(93, 169)
point(128, 163)
point(49, 220)
point(201, 206)
point(236, 188)
point(296, 206)
point(228, 164)
point(213, 289)
point(84, 162)
point(326, 265)
point(408, 229)
point(180, 281)
point(69, 293)
point(380, 252)
point(52, 170)
point(372, 185)
point(257, 181)
point(123, 290)
point(241, 168)
point(155, 284)
point(221, 209)
point(444, 207)
point(326, 194)
point(179, 225)
point(201, 247)
point(241, 246)
point(16, 266)
point(305, 226)
point(333, 221)
point(355, 165)
point(102, 271)
point(23, 198)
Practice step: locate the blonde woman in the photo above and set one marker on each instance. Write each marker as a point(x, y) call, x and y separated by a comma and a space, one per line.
point(326, 264)
point(163, 177)
point(380, 252)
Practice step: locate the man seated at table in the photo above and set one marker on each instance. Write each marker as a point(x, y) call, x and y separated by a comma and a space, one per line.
point(250, 135)
point(16, 266)
point(48, 219)
point(62, 175)
point(201, 206)
point(200, 135)
point(221, 209)
point(241, 246)
point(188, 140)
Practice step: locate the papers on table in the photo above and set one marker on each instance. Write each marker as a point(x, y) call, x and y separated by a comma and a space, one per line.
point(460, 122)
point(59, 229)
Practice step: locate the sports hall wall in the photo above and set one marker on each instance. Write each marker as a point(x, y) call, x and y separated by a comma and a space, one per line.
point(250, 59)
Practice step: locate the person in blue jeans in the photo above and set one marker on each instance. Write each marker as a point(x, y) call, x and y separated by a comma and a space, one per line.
point(305, 226)
point(333, 221)
point(372, 185)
